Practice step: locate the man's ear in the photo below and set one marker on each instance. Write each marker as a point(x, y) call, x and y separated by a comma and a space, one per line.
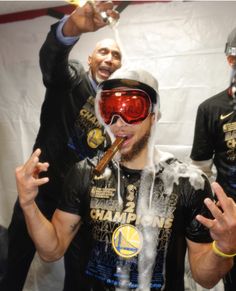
point(153, 118)
point(89, 60)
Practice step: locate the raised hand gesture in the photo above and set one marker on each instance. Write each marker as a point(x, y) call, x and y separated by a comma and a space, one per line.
point(27, 179)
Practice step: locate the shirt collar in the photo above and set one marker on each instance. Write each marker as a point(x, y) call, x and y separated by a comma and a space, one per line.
point(93, 82)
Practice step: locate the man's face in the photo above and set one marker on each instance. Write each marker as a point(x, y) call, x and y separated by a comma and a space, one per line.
point(137, 136)
point(232, 62)
point(105, 59)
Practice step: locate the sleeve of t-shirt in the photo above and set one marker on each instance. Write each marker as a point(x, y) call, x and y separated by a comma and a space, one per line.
point(194, 204)
point(57, 71)
point(75, 189)
point(202, 148)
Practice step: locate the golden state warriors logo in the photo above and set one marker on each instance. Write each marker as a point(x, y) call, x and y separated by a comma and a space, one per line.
point(95, 138)
point(127, 241)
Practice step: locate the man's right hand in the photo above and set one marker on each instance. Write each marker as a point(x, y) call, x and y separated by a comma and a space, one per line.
point(87, 18)
point(223, 227)
point(28, 181)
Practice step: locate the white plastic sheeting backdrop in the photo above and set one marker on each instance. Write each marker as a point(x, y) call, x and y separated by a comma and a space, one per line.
point(181, 43)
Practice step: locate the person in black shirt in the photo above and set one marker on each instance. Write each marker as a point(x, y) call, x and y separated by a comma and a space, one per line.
point(215, 138)
point(142, 210)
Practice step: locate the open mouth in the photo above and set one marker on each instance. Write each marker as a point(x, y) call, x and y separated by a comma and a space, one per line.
point(104, 73)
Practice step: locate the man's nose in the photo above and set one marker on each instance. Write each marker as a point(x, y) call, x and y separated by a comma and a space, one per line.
point(118, 121)
point(109, 57)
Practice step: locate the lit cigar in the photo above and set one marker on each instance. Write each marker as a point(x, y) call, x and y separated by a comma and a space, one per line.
point(108, 155)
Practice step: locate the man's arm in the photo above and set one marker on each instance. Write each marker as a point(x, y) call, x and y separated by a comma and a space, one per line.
point(207, 264)
point(51, 238)
point(207, 268)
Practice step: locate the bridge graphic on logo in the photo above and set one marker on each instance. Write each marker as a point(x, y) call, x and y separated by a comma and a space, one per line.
point(123, 245)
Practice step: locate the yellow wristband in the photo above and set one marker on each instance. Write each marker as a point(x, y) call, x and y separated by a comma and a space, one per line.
point(219, 253)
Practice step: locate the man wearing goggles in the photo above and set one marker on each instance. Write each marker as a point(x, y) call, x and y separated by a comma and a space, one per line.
point(143, 211)
point(124, 102)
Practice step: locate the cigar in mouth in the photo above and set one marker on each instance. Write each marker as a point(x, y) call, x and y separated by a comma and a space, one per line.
point(108, 156)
